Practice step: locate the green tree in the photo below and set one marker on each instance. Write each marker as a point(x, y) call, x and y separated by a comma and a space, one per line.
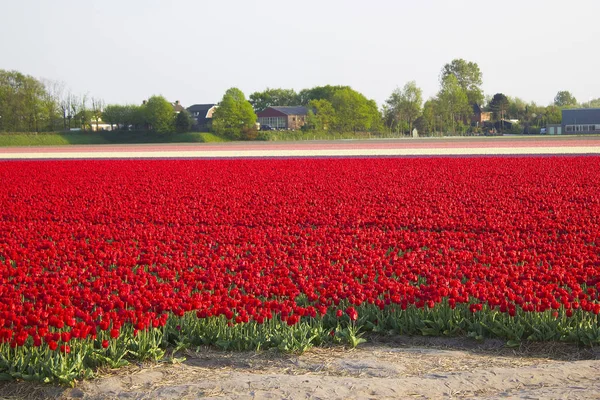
point(274, 97)
point(183, 122)
point(23, 103)
point(235, 117)
point(499, 106)
point(552, 115)
point(469, 78)
point(404, 105)
point(595, 103)
point(426, 123)
point(321, 115)
point(564, 98)
point(453, 104)
point(319, 93)
point(160, 115)
point(112, 115)
point(354, 112)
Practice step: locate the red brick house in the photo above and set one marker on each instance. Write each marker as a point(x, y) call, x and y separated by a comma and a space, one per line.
point(283, 117)
point(480, 116)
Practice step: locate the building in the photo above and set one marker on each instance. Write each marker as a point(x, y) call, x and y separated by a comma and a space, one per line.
point(100, 126)
point(177, 107)
point(577, 121)
point(283, 117)
point(552, 129)
point(480, 117)
point(202, 115)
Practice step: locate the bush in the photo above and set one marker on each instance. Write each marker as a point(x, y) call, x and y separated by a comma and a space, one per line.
point(516, 129)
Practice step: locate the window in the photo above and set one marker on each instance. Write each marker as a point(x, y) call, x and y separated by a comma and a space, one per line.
point(274, 122)
point(569, 128)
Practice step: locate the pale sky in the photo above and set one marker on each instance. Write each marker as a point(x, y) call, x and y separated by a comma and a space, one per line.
point(193, 50)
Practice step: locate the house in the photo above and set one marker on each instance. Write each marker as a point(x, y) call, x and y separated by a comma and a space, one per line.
point(577, 121)
point(177, 107)
point(480, 117)
point(283, 117)
point(100, 126)
point(202, 115)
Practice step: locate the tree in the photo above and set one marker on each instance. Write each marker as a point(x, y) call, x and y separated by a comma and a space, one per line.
point(405, 104)
point(469, 78)
point(453, 103)
point(234, 117)
point(354, 112)
point(113, 115)
point(552, 115)
point(321, 115)
point(564, 98)
point(499, 106)
point(595, 103)
point(159, 115)
point(97, 108)
point(183, 122)
point(51, 101)
point(426, 123)
point(274, 97)
point(23, 103)
point(319, 93)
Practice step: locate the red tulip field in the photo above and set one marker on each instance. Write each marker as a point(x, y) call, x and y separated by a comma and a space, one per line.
point(105, 262)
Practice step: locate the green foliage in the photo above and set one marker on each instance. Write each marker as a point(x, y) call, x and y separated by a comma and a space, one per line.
point(404, 105)
point(595, 103)
point(427, 123)
point(235, 117)
point(321, 115)
point(516, 129)
point(183, 122)
point(354, 112)
point(499, 106)
point(453, 104)
point(469, 78)
point(25, 105)
point(319, 93)
point(159, 114)
point(565, 99)
point(553, 115)
point(274, 97)
point(41, 364)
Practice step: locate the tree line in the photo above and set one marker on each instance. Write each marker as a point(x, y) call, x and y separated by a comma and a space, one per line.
point(28, 104)
point(450, 111)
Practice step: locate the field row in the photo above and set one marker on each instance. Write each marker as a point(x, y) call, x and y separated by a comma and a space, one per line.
point(103, 261)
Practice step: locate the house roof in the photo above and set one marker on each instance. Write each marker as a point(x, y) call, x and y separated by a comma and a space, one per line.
point(293, 110)
point(177, 107)
point(477, 109)
point(579, 116)
point(200, 108)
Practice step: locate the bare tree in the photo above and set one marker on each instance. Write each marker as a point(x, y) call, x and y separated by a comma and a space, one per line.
point(97, 108)
point(51, 100)
point(67, 99)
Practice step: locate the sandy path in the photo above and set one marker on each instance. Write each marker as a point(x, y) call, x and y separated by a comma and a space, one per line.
point(407, 368)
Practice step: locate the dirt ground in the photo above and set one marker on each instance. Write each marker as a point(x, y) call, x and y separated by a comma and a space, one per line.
point(416, 368)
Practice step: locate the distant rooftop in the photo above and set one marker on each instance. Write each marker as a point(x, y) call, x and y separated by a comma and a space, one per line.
point(579, 116)
point(200, 107)
point(291, 110)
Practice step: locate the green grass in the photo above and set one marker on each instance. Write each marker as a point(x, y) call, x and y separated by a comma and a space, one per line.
point(68, 138)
